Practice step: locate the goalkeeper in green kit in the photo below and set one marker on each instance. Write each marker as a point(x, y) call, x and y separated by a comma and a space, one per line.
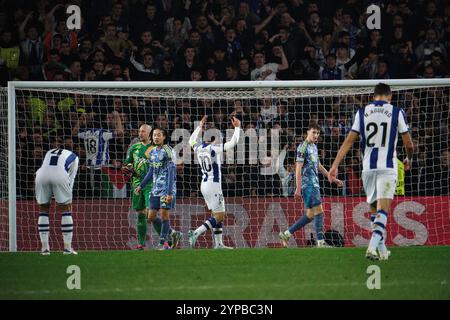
point(136, 164)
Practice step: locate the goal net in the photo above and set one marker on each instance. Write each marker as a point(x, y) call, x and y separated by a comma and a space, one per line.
point(258, 178)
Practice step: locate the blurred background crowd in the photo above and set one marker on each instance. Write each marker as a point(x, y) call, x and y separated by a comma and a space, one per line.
point(229, 40)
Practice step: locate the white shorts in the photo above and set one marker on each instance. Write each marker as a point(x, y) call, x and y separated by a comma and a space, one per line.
point(212, 193)
point(53, 182)
point(379, 184)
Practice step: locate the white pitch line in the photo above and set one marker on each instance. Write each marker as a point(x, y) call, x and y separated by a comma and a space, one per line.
point(218, 288)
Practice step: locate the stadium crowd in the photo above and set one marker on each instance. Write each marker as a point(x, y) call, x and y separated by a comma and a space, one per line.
point(209, 40)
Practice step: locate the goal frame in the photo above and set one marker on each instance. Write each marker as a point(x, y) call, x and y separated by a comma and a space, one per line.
point(13, 85)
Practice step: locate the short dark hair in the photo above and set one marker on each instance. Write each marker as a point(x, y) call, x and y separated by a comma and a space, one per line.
point(314, 125)
point(382, 89)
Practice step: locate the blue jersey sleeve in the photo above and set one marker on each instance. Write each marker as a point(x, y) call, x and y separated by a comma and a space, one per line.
point(147, 177)
point(171, 177)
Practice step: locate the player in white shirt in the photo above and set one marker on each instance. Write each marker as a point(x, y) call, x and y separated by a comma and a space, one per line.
point(55, 178)
point(210, 159)
point(378, 125)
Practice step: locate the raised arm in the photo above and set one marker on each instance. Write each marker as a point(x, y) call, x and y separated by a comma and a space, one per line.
point(193, 139)
point(138, 66)
point(23, 25)
point(260, 27)
point(235, 138)
point(284, 62)
point(118, 124)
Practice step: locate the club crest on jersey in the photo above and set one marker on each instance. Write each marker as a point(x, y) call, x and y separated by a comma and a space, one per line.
point(141, 162)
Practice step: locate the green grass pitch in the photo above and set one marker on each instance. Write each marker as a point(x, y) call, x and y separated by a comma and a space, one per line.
point(309, 273)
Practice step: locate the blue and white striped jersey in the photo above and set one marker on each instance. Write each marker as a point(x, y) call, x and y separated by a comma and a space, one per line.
point(96, 142)
point(58, 161)
point(210, 155)
point(210, 159)
point(378, 125)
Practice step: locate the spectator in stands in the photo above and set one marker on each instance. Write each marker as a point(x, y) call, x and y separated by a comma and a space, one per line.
point(176, 37)
point(331, 71)
point(119, 18)
point(52, 66)
point(75, 71)
point(167, 71)
point(145, 71)
point(231, 72)
point(267, 113)
point(268, 71)
point(441, 174)
point(244, 13)
point(244, 70)
point(152, 21)
point(184, 68)
point(202, 51)
point(32, 52)
point(9, 49)
point(382, 70)
point(113, 46)
point(441, 69)
point(405, 61)
point(422, 176)
point(431, 44)
point(196, 74)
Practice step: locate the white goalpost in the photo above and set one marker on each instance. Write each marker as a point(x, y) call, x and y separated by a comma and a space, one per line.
point(257, 176)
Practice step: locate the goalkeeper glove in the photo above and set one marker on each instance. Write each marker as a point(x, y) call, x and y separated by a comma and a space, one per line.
point(128, 170)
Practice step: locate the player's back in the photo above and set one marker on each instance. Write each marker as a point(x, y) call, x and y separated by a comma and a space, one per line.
point(378, 124)
point(210, 159)
point(58, 164)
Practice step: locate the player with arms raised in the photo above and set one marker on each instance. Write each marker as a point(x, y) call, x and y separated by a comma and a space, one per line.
point(137, 165)
point(56, 177)
point(210, 159)
point(378, 125)
point(307, 183)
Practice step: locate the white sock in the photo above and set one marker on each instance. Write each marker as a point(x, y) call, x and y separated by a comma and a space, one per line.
point(44, 229)
point(382, 245)
point(67, 229)
point(218, 236)
point(288, 233)
point(200, 230)
point(373, 244)
point(378, 226)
